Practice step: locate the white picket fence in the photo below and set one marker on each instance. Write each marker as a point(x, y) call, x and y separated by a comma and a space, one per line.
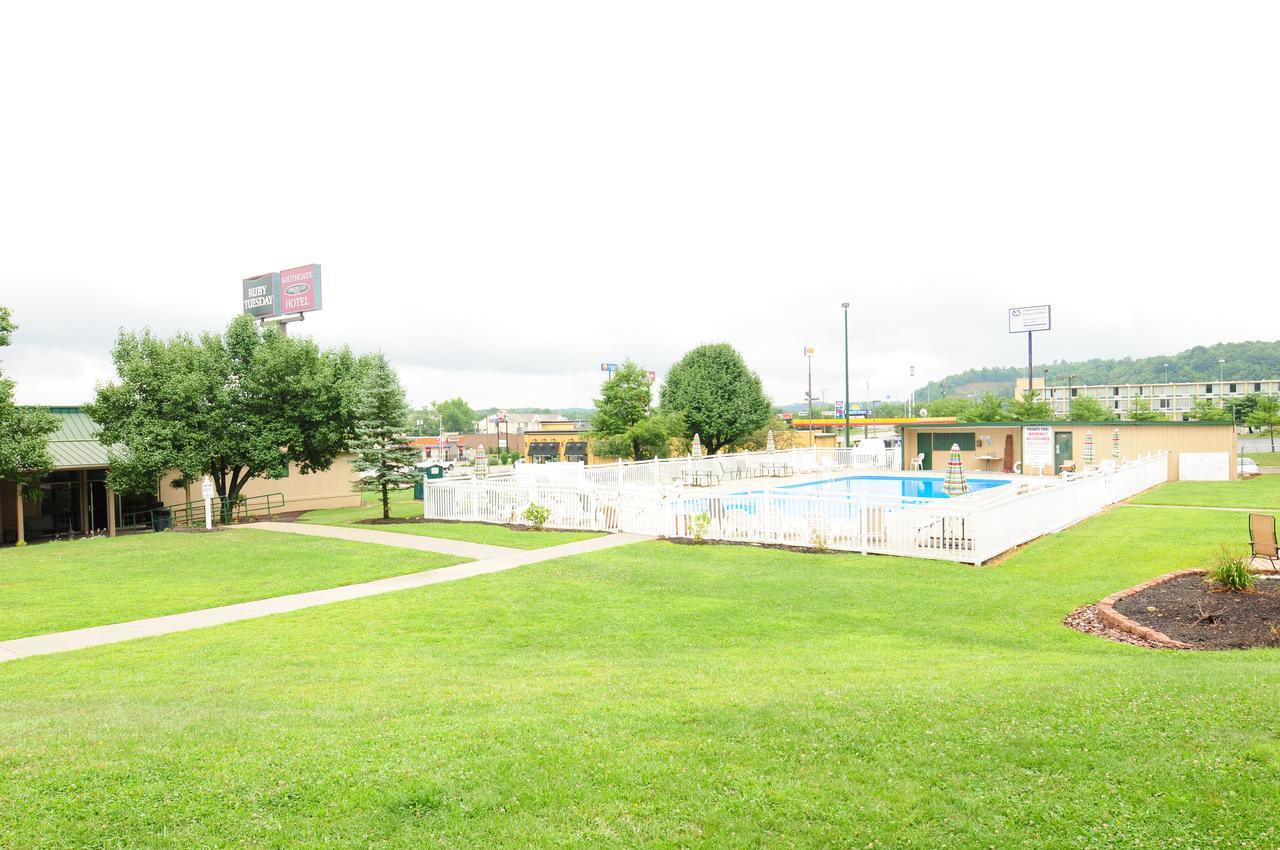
point(972, 529)
point(737, 466)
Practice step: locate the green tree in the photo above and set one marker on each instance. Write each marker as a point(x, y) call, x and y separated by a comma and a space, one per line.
point(957, 407)
point(456, 416)
point(379, 445)
point(428, 416)
point(625, 423)
point(1029, 408)
point(716, 396)
point(888, 410)
point(1086, 409)
point(1204, 410)
point(1266, 416)
point(24, 431)
point(236, 406)
point(989, 408)
point(1140, 411)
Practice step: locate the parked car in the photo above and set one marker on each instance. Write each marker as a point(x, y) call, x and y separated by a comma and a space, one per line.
point(447, 464)
point(1245, 467)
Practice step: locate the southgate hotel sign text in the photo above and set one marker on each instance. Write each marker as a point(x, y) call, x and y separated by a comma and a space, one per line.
point(278, 293)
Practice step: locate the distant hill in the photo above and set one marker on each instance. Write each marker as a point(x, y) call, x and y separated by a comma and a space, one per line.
point(566, 412)
point(1245, 361)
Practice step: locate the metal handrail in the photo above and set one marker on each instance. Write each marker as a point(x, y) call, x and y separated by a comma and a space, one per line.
point(227, 510)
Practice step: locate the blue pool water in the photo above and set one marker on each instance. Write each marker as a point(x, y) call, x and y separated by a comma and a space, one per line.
point(906, 486)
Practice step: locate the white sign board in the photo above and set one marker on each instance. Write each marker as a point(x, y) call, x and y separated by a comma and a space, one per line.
point(1026, 319)
point(1204, 466)
point(1037, 448)
point(206, 489)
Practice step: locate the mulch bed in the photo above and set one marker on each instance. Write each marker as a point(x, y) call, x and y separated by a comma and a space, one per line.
point(1193, 612)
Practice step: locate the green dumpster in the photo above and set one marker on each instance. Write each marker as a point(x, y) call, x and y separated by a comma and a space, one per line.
point(435, 471)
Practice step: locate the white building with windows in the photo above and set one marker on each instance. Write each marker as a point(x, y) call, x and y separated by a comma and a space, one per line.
point(1172, 399)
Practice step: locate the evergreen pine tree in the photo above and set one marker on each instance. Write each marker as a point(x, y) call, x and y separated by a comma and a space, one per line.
point(379, 444)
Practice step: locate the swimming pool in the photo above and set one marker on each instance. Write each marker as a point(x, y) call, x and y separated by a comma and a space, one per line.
point(890, 486)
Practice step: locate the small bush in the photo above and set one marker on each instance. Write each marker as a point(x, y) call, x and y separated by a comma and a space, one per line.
point(701, 524)
point(536, 515)
point(1230, 572)
point(818, 538)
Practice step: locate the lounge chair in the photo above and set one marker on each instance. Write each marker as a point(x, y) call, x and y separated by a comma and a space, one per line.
point(1262, 538)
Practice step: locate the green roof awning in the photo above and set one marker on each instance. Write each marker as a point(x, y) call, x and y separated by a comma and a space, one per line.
point(75, 444)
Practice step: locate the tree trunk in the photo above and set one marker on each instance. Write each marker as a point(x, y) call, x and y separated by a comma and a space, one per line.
point(386, 502)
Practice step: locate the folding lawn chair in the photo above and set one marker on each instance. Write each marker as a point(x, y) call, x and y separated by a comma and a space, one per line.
point(1262, 538)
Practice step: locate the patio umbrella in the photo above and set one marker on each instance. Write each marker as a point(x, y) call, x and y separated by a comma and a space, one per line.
point(1115, 443)
point(1088, 447)
point(769, 445)
point(696, 448)
point(954, 484)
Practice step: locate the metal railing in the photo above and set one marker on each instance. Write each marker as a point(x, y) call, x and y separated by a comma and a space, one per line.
point(227, 510)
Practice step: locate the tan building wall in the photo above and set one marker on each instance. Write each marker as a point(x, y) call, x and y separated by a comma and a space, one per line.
point(1136, 438)
point(332, 488)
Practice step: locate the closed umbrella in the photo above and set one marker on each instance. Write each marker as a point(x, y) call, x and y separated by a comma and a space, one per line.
point(1088, 447)
point(769, 445)
point(696, 448)
point(1115, 443)
point(954, 484)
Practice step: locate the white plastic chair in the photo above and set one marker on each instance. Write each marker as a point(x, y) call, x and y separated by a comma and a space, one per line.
point(917, 464)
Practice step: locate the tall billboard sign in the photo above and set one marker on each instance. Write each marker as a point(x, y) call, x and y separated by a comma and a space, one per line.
point(300, 289)
point(1030, 321)
point(275, 294)
point(262, 295)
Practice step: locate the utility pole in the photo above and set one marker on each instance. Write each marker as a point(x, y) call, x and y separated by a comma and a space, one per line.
point(845, 306)
point(808, 356)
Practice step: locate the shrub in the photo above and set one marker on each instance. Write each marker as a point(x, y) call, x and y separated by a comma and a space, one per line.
point(536, 515)
point(1230, 572)
point(818, 538)
point(701, 523)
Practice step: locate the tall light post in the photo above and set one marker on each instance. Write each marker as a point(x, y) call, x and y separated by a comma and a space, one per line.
point(808, 355)
point(845, 307)
point(1166, 373)
point(1222, 395)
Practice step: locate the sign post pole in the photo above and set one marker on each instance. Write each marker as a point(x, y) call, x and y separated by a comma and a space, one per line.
point(206, 490)
point(1028, 320)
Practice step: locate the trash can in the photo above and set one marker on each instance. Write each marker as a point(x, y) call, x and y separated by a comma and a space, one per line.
point(434, 472)
point(161, 519)
point(417, 489)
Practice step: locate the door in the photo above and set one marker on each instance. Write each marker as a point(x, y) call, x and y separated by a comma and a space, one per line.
point(1061, 450)
point(924, 446)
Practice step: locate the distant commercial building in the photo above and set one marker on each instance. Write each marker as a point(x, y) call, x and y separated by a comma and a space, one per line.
point(559, 440)
point(515, 423)
point(1175, 399)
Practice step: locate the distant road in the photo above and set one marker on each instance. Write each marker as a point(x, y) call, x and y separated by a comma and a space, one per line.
point(1249, 445)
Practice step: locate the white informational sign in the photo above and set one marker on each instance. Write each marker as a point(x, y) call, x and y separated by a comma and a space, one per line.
point(1037, 447)
point(1027, 319)
point(206, 490)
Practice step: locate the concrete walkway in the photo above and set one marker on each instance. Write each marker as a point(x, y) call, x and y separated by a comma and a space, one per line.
point(458, 548)
point(99, 635)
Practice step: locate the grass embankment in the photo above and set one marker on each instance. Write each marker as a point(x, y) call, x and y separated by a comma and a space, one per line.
point(1262, 491)
point(52, 587)
point(664, 695)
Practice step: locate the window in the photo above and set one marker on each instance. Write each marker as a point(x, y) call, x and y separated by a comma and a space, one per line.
point(1232, 388)
point(1116, 404)
point(1074, 392)
point(1257, 388)
point(1208, 389)
point(1164, 403)
point(1115, 391)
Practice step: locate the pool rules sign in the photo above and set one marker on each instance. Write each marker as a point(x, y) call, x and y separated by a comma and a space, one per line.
point(275, 294)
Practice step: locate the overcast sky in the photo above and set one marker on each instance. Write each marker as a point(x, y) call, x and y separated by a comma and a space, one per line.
point(504, 195)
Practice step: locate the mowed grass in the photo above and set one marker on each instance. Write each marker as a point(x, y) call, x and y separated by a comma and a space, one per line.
point(1261, 491)
point(1265, 458)
point(69, 585)
point(669, 696)
point(404, 506)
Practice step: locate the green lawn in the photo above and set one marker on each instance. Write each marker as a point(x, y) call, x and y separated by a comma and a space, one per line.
point(56, 586)
point(1265, 458)
point(668, 696)
point(1262, 491)
point(403, 505)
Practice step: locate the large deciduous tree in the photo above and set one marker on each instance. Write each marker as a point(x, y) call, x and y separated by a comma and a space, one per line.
point(1266, 416)
point(716, 396)
point(236, 406)
point(625, 423)
point(457, 416)
point(379, 444)
point(1087, 409)
point(24, 431)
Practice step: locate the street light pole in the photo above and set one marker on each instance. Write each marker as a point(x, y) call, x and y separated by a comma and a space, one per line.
point(845, 306)
point(1222, 395)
